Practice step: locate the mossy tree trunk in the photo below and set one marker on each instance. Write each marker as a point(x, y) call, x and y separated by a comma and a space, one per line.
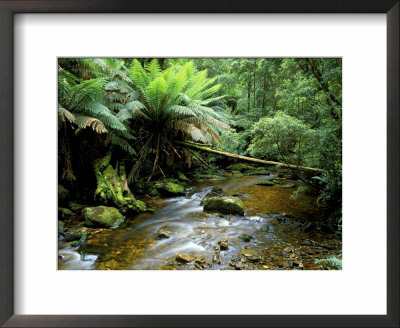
point(112, 187)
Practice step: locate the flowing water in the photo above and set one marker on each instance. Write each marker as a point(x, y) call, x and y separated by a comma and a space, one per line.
point(269, 219)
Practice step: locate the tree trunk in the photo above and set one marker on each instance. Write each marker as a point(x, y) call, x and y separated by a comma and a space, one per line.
point(248, 91)
point(112, 188)
point(245, 158)
point(324, 86)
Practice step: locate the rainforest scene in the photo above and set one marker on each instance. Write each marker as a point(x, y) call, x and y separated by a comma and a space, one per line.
point(199, 164)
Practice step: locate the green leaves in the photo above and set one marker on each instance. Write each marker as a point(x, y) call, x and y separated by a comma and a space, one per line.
point(156, 91)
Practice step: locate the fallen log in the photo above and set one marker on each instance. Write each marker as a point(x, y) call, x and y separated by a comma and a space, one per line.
point(245, 158)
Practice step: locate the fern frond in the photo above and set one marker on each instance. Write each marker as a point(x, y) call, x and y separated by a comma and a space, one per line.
point(101, 112)
point(64, 114)
point(156, 91)
point(154, 69)
point(85, 121)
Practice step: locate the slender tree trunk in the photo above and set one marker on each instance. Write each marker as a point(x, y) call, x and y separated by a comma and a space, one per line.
point(254, 88)
point(331, 98)
point(248, 91)
point(264, 87)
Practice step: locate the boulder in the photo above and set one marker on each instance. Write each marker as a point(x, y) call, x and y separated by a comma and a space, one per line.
point(167, 188)
point(259, 171)
point(102, 216)
point(224, 205)
point(237, 174)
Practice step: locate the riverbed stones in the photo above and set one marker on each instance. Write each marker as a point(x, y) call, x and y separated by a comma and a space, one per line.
point(223, 245)
point(224, 205)
point(102, 216)
point(250, 254)
point(184, 258)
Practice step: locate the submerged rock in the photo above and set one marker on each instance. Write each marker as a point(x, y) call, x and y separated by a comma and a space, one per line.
point(162, 234)
point(250, 254)
point(184, 258)
point(245, 238)
point(102, 216)
point(223, 245)
point(287, 185)
point(224, 205)
point(77, 236)
point(265, 183)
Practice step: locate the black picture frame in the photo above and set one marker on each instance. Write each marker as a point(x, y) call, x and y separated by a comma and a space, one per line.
point(10, 7)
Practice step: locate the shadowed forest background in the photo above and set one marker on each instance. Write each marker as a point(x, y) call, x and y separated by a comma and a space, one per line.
point(205, 163)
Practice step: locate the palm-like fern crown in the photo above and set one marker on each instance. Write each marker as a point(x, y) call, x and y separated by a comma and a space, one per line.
point(93, 102)
point(175, 100)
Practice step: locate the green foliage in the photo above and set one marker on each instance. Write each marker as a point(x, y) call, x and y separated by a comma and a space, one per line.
point(282, 136)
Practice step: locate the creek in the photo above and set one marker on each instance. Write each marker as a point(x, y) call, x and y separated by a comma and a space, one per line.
point(274, 221)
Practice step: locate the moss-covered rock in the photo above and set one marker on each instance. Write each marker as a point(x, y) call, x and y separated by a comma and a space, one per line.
point(167, 188)
point(214, 192)
point(209, 176)
point(102, 216)
point(77, 236)
point(265, 183)
point(63, 195)
point(237, 174)
point(224, 205)
point(259, 171)
point(75, 206)
point(239, 167)
point(65, 213)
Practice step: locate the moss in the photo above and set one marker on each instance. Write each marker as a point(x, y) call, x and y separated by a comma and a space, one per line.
point(64, 213)
point(169, 188)
point(112, 188)
point(259, 171)
point(63, 194)
point(224, 205)
point(239, 167)
point(208, 176)
point(237, 174)
point(103, 216)
point(75, 206)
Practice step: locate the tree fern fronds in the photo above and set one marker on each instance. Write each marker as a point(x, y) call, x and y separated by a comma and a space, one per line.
point(181, 111)
point(139, 76)
point(122, 143)
point(85, 121)
point(206, 93)
point(101, 112)
point(64, 114)
point(156, 91)
point(154, 69)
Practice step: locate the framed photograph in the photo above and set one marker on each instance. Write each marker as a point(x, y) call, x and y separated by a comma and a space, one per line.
point(208, 164)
